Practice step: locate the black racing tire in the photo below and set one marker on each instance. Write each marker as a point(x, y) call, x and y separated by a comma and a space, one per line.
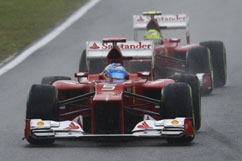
point(218, 55)
point(177, 101)
point(193, 81)
point(199, 61)
point(51, 79)
point(96, 66)
point(42, 104)
point(82, 63)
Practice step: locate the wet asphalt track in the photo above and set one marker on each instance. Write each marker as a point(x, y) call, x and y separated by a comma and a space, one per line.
point(220, 137)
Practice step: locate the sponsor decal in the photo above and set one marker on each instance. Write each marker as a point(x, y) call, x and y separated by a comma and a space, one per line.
point(94, 46)
point(140, 19)
point(108, 87)
point(171, 18)
point(72, 126)
point(138, 45)
point(144, 125)
point(164, 18)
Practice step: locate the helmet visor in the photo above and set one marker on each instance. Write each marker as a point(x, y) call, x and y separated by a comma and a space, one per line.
point(117, 75)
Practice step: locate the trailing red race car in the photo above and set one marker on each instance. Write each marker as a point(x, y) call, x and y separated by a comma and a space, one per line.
point(207, 59)
point(114, 103)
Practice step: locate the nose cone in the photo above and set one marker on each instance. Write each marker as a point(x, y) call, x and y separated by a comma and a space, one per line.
point(108, 92)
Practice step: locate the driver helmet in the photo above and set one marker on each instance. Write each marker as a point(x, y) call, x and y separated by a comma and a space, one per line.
point(154, 35)
point(115, 71)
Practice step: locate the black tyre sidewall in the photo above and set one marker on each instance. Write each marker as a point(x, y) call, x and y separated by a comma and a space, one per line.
point(218, 55)
point(177, 100)
point(82, 63)
point(193, 81)
point(42, 103)
point(198, 60)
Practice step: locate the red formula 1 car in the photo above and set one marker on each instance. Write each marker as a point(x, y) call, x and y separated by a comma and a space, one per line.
point(96, 107)
point(207, 59)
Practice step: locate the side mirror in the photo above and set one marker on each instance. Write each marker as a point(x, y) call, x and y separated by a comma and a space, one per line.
point(144, 74)
point(80, 75)
point(175, 40)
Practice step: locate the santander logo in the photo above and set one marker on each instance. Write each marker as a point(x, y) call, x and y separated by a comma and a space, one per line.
point(144, 126)
point(128, 46)
point(72, 126)
point(140, 19)
point(171, 18)
point(94, 46)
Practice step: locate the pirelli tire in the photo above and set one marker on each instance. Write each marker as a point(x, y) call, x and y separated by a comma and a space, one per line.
point(218, 55)
point(177, 102)
point(82, 63)
point(193, 81)
point(198, 60)
point(51, 79)
point(42, 104)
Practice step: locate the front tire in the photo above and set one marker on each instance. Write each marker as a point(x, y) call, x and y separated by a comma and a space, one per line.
point(177, 101)
point(193, 81)
point(42, 104)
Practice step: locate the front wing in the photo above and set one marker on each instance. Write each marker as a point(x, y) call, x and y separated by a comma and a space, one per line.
point(167, 128)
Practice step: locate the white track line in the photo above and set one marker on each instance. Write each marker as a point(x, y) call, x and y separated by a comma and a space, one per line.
point(45, 40)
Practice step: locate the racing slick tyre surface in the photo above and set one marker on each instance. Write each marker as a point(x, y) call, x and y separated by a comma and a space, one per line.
point(83, 64)
point(218, 55)
point(42, 104)
point(177, 101)
point(51, 79)
point(199, 61)
point(193, 81)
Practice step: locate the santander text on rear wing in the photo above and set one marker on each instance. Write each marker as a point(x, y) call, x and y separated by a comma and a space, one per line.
point(134, 49)
point(166, 21)
point(130, 50)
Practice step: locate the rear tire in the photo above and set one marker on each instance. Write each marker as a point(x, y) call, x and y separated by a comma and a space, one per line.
point(42, 104)
point(51, 79)
point(96, 66)
point(83, 64)
point(218, 54)
point(193, 81)
point(199, 61)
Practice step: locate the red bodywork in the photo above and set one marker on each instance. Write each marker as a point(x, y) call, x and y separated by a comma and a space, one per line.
point(169, 57)
point(164, 54)
point(112, 106)
point(107, 92)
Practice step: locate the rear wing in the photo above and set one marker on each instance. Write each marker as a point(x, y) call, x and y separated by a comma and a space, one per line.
point(179, 21)
point(130, 50)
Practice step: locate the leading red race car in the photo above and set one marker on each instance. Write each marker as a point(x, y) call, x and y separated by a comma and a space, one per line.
point(95, 106)
point(207, 59)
